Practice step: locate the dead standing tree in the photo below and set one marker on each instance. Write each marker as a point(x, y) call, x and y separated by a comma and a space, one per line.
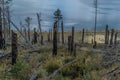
point(39, 26)
point(28, 20)
point(62, 27)
point(58, 17)
point(72, 43)
point(35, 36)
point(115, 39)
point(1, 36)
point(14, 48)
point(83, 33)
point(111, 39)
point(55, 32)
point(49, 36)
point(106, 36)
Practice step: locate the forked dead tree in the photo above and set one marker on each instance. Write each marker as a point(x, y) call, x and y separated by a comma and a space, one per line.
point(55, 39)
point(14, 48)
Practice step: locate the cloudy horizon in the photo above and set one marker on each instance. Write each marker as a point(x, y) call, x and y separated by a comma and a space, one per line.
point(78, 13)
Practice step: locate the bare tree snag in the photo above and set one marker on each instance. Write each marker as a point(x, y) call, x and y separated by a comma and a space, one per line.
point(35, 36)
point(115, 40)
point(72, 44)
point(14, 48)
point(55, 39)
point(49, 36)
point(62, 27)
point(106, 36)
point(1, 37)
point(83, 36)
point(69, 42)
point(111, 39)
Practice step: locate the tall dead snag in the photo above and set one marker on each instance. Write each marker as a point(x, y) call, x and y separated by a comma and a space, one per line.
point(49, 36)
point(55, 39)
point(111, 39)
point(115, 40)
point(35, 36)
point(14, 48)
point(1, 37)
point(69, 42)
point(62, 32)
point(83, 35)
point(72, 43)
point(106, 35)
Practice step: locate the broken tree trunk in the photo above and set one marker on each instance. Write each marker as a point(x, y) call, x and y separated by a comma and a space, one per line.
point(62, 27)
point(83, 35)
point(14, 48)
point(111, 39)
point(55, 39)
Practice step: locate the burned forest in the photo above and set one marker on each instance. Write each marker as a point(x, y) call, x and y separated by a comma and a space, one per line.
point(59, 40)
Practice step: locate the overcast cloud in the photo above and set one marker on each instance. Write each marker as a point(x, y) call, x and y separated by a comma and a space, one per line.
point(78, 13)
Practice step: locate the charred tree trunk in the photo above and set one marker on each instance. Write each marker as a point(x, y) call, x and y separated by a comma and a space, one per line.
point(69, 42)
point(14, 48)
point(28, 32)
point(62, 27)
point(55, 32)
point(35, 36)
point(49, 36)
point(75, 50)
point(1, 36)
point(115, 40)
point(106, 36)
point(41, 40)
point(83, 36)
point(111, 39)
point(72, 43)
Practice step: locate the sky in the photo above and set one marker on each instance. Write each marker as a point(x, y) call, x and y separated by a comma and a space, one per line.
point(77, 13)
